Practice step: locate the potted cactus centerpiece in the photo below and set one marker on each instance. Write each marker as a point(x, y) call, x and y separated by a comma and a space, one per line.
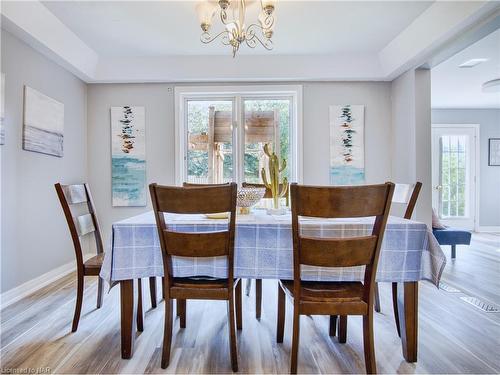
point(273, 183)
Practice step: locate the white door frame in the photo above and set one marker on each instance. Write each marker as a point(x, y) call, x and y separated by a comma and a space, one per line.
point(477, 165)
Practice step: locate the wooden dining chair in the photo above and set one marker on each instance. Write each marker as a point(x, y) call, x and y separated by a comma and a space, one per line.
point(335, 298)
point(196, 200)
point(85, 223)
point(181, 304)
point(80, 226)
point(404, 194)
point(258, 282)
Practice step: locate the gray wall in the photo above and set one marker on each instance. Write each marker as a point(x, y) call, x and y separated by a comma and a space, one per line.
point(489, 184)
point(411, 136)
point(35, 238)
point(158, 99)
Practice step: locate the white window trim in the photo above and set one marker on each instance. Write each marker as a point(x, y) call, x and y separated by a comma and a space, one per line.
point(183, 93)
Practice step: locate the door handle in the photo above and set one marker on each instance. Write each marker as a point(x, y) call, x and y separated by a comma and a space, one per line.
point(438, 187)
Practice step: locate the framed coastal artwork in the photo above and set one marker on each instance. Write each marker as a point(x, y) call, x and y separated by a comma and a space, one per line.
point(2, 109)
point(128, 156)
point(43, 130)
point(347, 149)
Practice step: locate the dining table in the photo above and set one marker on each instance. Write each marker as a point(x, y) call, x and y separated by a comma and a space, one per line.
point(264, 250)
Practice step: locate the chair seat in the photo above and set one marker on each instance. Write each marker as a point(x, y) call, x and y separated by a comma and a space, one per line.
point(93, 265)
point(199, 282)
point(199, 287)
point(312, 291)
point(452, 236)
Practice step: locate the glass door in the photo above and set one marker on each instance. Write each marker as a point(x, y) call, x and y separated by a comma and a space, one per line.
point(210, 152)
point(266, 120)
point(225, 137)
point(454, 175)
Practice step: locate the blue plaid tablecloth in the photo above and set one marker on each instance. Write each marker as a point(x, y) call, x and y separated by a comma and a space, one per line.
point(263, 249)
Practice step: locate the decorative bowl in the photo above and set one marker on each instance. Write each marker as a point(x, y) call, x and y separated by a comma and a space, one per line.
point(247, 197)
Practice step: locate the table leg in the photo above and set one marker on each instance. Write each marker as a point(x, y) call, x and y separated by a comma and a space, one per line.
point(258, 298)
point(408, 319)
point(248, 287)
point(128, 312)
point(152, 291)
point(140, 310)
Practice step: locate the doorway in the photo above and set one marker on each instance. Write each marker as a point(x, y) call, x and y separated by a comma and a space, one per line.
point(454, 173)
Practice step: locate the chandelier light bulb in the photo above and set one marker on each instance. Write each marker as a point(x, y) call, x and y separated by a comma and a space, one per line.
point(268, 6)
point(206, 11)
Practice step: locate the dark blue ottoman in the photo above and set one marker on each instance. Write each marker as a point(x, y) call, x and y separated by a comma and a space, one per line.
point(453, 237)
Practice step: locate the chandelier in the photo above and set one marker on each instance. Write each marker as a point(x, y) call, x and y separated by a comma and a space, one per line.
point(236, 32)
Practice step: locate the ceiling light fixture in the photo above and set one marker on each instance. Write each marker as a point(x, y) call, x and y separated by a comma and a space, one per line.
point(471, 63)
point(236, 32)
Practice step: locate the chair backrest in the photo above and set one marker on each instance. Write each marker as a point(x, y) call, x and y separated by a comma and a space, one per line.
point(80, 224)
point(193, 199)
point(340, 202)
point(190, 184)
point(407, 194)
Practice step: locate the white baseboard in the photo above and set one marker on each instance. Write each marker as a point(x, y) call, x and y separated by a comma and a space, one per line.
point(15, 294)
point(489, 229)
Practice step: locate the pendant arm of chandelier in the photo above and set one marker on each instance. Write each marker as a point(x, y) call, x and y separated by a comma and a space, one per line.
point(266, 22)
point(241, 16)
point(252, 37)
point(224, 35)
point(223, 17)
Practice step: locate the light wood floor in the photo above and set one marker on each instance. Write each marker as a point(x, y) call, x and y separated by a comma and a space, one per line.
point(454, 337)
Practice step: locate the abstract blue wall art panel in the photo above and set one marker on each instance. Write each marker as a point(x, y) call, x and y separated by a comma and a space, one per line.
point(347, 146)
point(43, 123)
point(128, 154)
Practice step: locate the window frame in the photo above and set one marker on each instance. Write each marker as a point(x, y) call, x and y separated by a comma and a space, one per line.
point(238, 94)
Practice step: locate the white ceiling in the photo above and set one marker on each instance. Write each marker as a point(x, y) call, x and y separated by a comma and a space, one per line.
point(158, 41)
point(171, 28)
point(454, 87)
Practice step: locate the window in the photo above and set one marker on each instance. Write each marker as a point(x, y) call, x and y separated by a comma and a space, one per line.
point(454, 184)
point(221, 131)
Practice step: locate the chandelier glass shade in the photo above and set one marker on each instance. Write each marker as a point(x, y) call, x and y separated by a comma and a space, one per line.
point(235, 31)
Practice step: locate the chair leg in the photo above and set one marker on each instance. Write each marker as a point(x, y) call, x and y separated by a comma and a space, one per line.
point(333, 325)
point(181, 312)
point(370, 363)
point(295, 339)
point(79, 299)
point(100, 292)
point(395, 306)
point(342, 328)
point(258, 298)
point(232, 334)
point(152, 291)
point(238, 301)
point(377, 298)
point(248, 287)
point(453, 251)
point(140, 311)
point(280, 328)
point(167, 333)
